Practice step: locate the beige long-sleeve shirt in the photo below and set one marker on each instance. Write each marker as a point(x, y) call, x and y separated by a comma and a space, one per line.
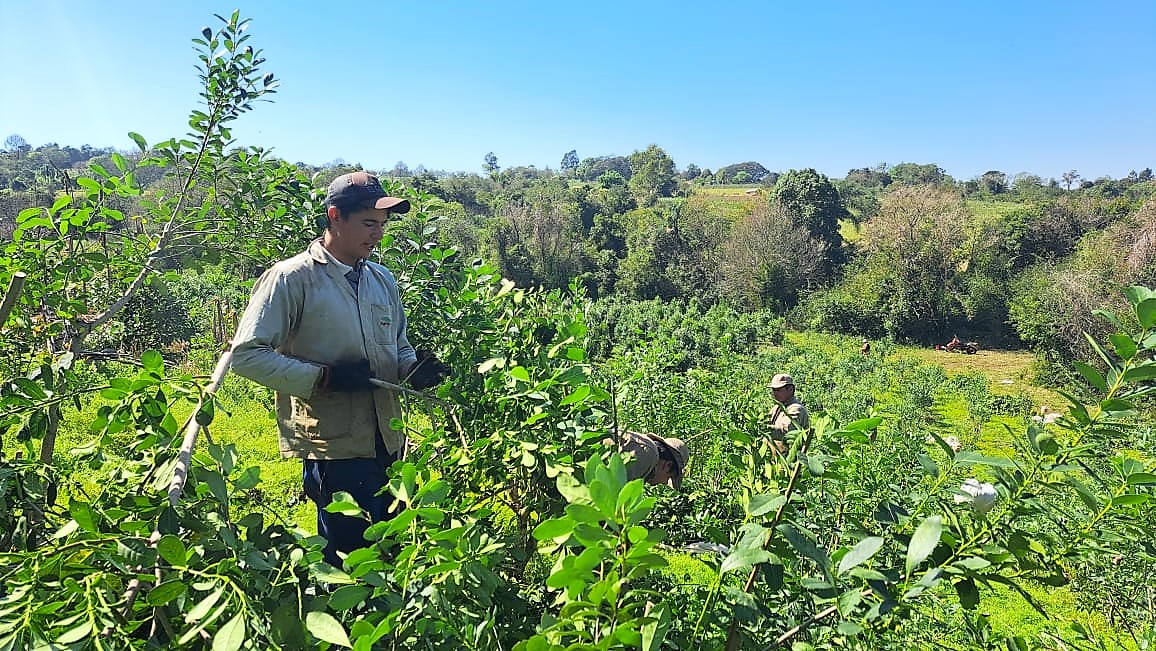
point(304, 314)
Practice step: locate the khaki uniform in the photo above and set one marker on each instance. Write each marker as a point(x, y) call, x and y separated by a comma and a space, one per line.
point(791, 415)
point(304, 314)
point(645, 451)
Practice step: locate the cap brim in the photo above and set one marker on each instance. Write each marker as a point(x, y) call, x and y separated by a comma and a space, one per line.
point(392, 204)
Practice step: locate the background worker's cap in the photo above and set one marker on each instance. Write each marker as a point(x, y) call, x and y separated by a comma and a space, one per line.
point(782, 380)
point(362, 189)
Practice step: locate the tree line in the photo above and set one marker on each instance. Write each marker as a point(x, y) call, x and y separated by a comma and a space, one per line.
point(900, 251)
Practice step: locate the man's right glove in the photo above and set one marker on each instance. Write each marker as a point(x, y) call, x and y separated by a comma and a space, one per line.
point(347, 376)
point(427, 371)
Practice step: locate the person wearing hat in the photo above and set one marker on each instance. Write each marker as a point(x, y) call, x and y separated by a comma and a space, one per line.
point(318, 327)
point(657, 460)
point(788, 414)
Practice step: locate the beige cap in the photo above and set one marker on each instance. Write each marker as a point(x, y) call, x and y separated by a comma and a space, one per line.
point(681, 457)
point(782, 380)
point(645, 448)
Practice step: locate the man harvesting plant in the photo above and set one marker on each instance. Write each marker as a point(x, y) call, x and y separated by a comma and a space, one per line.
point(320, 327)
point(789, 414)
point(657, 460)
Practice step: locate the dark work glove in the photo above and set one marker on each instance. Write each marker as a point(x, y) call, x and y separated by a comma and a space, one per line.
point(347, 376)
point(427, 371)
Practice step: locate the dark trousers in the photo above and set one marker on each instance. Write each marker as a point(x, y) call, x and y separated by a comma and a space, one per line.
point(361, 478)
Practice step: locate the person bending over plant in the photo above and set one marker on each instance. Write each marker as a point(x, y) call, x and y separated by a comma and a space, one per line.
point(657, 460)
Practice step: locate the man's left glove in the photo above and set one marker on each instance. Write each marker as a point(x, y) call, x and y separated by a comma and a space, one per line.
point(427, 371)
point(347, 376)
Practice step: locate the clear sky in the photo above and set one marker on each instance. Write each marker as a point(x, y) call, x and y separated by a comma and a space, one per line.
point(1016, 86)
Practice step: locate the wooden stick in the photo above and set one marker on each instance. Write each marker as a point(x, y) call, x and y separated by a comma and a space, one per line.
point(406, 390)
point(14, 288)
point(181, 471)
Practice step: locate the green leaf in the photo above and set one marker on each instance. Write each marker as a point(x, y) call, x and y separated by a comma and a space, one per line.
point(88, 184)
point(979, 459)
point(552, 529)
point(206, 412)
point(849, 629)
point(584, 513)
point(152, 361)
point(327, 629)
point(76, 633)
point(1146, 313)
point(654, 631)
point(348, 596)
point(139, 140)
point(1099, 350)
point(204, 605)
point(83, 514)
point(806, 547)
point(165, 592)
point(746, 557)
point(923, 542)
point(67, 530)
point(1117, 405)
point(968, 593)
point(579, 394)
point(1090, 499)
point(1091, 375)
point(249, 478)
point(860, 553)
point(764, 504)
point(864, 424)
point(1137, 294)
point(1129, 500)
point(973, 563)
point(929, 465)
point(490, 363)
point(1125, 347)
point(1141, 373)
point(1139, 478)
point(172, 550)
point(231, 636)
point(344, 504)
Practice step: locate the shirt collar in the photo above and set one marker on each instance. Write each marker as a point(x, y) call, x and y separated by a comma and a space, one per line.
point(339, 265)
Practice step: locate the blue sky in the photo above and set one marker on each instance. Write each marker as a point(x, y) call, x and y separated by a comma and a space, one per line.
point(1039, 87)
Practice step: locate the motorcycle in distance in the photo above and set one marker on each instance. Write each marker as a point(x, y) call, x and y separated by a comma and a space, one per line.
point(957, 346)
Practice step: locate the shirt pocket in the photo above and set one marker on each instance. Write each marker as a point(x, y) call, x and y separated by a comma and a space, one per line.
point(325, 416)
point(384, 324)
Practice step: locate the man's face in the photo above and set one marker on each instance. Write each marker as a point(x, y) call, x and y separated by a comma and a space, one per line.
point(784, 393)
point(355, 233)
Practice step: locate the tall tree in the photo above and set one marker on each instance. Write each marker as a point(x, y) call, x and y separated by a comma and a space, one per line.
point(916, 174)
point(651, 175)
point(490, 164)
point(768, 259)
point(813, 203)
point(919, 237)
point(569, 161)
point(15, 143)
point(755, 173)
